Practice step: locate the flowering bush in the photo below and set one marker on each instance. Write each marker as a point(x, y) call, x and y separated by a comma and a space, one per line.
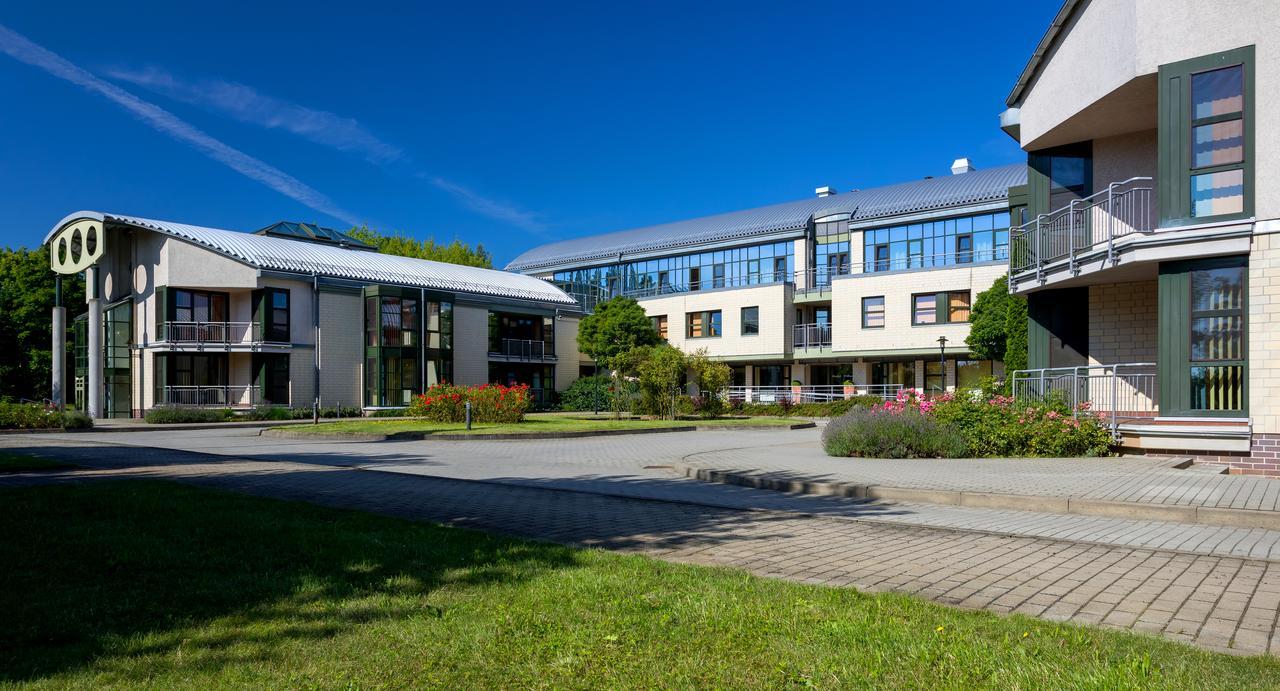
point(998, 426)
point(884, 432)
point(489, 403)
point(36, 416)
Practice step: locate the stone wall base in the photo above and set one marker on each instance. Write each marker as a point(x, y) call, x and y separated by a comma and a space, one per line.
point(1262, 458)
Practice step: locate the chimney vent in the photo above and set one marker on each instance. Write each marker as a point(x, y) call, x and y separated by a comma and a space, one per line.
point(962, 165)
point(825, 191)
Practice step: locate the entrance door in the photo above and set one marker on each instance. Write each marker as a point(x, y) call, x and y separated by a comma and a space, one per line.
point(116, 373)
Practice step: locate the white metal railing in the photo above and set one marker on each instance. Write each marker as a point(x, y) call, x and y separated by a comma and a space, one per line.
point(805, 336)
point(809, 394)
point(931, 261)
point(1123, 208)
point(212, 333)
point(216, 396)
point(524, 349)
point(1120, 392)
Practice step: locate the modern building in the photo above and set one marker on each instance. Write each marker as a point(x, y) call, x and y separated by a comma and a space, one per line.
point(1149, 250)
point(293, 315)
point(857, 287)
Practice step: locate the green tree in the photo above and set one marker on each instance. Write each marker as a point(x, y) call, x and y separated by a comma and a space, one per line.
point(615, 327)
point(456, 252)
point(660, 374)
point(26, 306)
point(998, 326)
point(712, 377)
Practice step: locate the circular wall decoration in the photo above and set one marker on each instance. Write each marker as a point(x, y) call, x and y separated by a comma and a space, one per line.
point(140, 279)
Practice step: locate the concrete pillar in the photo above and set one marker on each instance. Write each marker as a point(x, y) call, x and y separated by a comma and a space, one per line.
point(93, 389)
point(59, 355)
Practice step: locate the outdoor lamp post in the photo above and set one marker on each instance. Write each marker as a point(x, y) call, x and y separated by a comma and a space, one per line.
point(942, 361)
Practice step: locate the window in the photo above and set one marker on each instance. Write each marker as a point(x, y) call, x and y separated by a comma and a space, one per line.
point(271, 312)
point(964, 249)
point(1206, 132)
point(271, 376)
point(1217, 338)
point(660, 325)
point(940, 308)
point(970, 373)
point(882, 257)
point(934, 376)
point(873, 312)
point(946, 242)
point(717, 276)
point(703, 324)
point(750, 321)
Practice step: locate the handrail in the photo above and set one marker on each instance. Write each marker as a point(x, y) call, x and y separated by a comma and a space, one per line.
point(212, 396)
point(811, 336)
point(1123, 208)
point(523, 348)
point(1120, 391)
point(810, 393)
point(212, 332)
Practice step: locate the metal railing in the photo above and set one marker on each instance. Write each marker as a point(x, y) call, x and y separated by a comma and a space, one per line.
point(809, 394)
point(218, 396)
point(523, 349)
point(212, 333)
point(811, 336)
point(1123, 208)
point(1120, 392)
point(933, 261)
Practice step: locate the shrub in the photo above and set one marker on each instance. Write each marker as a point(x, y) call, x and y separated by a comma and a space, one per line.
point(37, 416)
point(389, 412)
point(166, 415)
point(489, 403)
point(881, 433)
point(996, 426)
point(834, 408)
point(270, 412)
point(598, 393)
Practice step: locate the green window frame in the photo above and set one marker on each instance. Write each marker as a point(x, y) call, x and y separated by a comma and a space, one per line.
point(271, 312)
point(750, 321)
point(873, 312)
point(1181, 165)
point(271, 376)
point(704, 324)
point(948, 307)
point(1203, 367)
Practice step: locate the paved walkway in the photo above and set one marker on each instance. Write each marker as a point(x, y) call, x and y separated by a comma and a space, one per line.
point(1222, 603)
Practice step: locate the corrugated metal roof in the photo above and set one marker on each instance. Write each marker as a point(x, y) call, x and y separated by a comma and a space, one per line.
point(302, 257)
point(881, 202)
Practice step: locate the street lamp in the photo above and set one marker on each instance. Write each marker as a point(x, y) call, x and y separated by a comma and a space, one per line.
point(942, 361)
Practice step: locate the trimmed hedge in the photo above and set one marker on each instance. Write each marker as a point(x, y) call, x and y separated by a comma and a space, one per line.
point(36, 416)
point(166, 415)
point(784, 408)
point(879, 433)
point(169, 415)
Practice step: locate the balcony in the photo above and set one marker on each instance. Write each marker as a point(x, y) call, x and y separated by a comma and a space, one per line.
point(1122, 393)
point(216, 396)
point(217, 335)
point(1059, 240)
point(809, 394)
point(947, 260)
point(806, 336)
point(522, 349)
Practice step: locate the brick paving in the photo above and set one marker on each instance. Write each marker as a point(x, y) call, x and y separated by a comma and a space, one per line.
point(1217, 602)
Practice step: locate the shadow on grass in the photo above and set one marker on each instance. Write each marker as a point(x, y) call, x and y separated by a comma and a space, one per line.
point(104, 572)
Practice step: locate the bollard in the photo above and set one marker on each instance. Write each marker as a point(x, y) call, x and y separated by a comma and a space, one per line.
point(468, 406)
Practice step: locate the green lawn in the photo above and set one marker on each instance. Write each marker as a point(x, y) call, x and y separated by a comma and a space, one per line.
point(20, 463)
point(534, 423)
point(154, 584)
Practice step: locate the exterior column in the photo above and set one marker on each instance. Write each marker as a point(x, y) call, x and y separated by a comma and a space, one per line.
point(93, 390)
point(59, 348)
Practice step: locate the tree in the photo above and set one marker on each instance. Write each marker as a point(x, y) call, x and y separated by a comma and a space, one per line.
point(455, 252)
point(26, 305)
point(712, 377)
point(615, 327)
point(660, 374)
point(998, 326)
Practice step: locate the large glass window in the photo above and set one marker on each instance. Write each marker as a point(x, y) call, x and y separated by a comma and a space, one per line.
point(271, 312)
point(970, 373)
point(924, 309)
point(831, 251)
point(940, 308)
point(660, 325)
point(980, 238)
point(1217, 142)
point(1217, 338)
point(703, 324)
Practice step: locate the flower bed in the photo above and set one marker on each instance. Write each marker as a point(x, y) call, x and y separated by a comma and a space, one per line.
point(980, 425)
point(489, 403)
point(36, 416)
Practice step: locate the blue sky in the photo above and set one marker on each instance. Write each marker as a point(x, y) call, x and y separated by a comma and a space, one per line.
point(506, 124)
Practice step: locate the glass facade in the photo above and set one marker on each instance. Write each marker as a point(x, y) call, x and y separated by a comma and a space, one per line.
point(1217, 321)
point(1217, 142)
point(932, 244)
point(830, 252)
point(740, 266)
point(404, 352)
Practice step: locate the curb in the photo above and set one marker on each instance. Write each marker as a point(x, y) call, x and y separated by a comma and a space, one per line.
point(514, 436)
point(1233, 518)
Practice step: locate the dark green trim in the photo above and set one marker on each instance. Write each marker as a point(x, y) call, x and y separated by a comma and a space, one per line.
point(161, 311)
point(1174, 328)
point(1175, 130)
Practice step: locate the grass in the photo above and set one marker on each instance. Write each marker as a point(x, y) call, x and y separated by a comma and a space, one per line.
point(533, 423)
point(153, 584)
point(21, 463)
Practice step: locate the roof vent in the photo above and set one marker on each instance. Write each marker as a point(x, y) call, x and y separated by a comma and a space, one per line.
point(825, 191)
point(962, 165)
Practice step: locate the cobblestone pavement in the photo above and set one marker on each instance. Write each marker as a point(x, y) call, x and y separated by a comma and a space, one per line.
point(1221, 603)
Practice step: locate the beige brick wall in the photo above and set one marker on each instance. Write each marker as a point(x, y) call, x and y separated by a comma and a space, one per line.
point(567, 355)
point(1264, 334)
point(302, 377)
point(776, 318)
point(897, 288)
point(341, 348)
point(1123, 322)
point(470, 344)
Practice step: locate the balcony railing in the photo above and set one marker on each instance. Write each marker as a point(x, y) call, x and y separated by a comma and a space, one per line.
point(908, 262)
point(807, 336)
point(809, 394)
point(212, 333)
point(1087, 224)
point(1122, 392)
point(522, 349)
point(218, 396)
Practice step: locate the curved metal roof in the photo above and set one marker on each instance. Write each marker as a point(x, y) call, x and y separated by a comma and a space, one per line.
point(930, 194)
point(294, 256)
